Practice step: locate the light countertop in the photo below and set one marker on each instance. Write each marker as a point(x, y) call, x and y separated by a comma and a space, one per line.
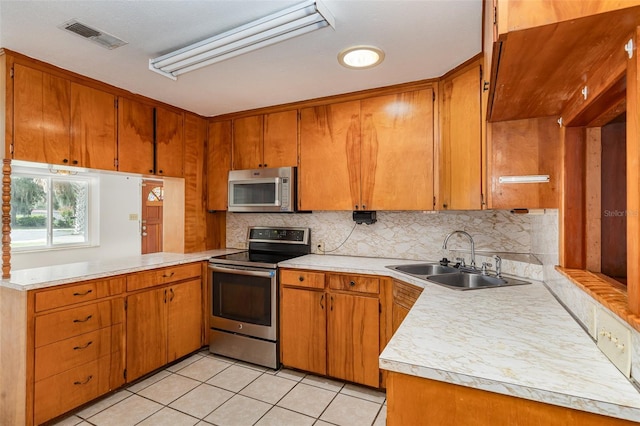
point(517, 341)
point(48, 276)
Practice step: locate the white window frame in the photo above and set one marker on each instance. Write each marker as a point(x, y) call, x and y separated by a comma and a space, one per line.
point(93, 223)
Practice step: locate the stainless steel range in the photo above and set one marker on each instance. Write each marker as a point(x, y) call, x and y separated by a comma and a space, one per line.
point(243, 290)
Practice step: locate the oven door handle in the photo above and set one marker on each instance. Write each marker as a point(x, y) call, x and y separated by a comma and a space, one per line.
point(247, 272)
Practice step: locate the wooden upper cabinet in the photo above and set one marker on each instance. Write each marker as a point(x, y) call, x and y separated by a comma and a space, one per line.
point(280, 145)
point(218, 164)
point(520, 148)
point(93, 128)
point(41, 116)
point(397, 151)
point(195, 158)
point(460, 154)
point(135, 137)
point(269, 140)
point(514, 15)
point(329, 174)
point(169, 142)
point(247, 142)
point(363, 155)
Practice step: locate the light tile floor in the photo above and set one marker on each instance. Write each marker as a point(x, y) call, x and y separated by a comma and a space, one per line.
point(205, 389)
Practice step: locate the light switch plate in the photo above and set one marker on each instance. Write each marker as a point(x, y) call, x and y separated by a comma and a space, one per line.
point(133, 216)
point(614, 340)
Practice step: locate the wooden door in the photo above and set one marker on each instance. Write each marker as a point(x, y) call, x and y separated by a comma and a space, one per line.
point(41, 120)
point(135, 137)
point(93, 128)
point(184, 319)
point(397, 151)
point(247, 143)
point(329, 173)
point(169, 143)
point(353, 343)
point(303, 330)
point(152, 217)
point(461, 156)
point(146, 332)
point(218, 164)
point(280, 145)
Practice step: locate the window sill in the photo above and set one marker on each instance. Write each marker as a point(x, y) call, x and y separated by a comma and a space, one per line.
point(605, 290)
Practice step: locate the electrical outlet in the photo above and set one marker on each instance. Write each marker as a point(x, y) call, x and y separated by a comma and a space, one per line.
point(320, 247)
point(614, 340)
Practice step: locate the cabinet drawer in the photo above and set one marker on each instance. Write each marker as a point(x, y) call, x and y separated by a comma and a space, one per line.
point(69, 295)
point(76, 321)
point(302, 278)
point(63, 392)
point(405, 294)
point(163, 276)
point(75, 351)
point(358, 283)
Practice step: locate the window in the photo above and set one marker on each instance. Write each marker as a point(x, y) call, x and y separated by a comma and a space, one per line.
point(49, 211)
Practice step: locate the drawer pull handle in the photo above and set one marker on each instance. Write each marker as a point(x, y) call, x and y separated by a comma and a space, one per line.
point(172, 295)
point(84, 320)
point(83, 294)
point(352, 283)
point(301, 278)
point(77, 348)
point(85, 382)
point(168, 276)
point(321, 300)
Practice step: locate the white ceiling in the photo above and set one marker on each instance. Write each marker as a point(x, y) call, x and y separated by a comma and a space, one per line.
point(421, 38)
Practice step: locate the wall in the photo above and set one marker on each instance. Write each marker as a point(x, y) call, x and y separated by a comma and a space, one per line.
point(407, 235)
point(544, 244)
point(119, 196)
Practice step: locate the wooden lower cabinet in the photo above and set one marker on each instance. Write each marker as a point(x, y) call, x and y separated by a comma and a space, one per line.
point(162, 325)
point(404, 296)
point(303, 329)
point(353, 338)
point(413, 400)
point(328, 329)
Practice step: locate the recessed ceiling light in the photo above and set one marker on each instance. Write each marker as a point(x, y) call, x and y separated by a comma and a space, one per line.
point(360, 57)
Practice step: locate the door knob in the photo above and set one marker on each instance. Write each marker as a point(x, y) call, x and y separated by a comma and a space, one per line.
point(144, 234)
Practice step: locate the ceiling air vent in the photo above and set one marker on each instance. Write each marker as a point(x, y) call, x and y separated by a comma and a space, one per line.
point(102, 38)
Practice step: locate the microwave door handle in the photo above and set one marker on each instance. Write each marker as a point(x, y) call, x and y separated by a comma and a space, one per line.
point(277, 201)
point(263, 274)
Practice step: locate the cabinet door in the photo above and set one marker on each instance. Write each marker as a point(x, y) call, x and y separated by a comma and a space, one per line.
point(93, 128)
point(41, 121)
point(195, 220)
point(247, 143)
point(329, 174)
point(184, 319)
point(135, 137)
point(460, 159)
point(146, 332)
point(280, 145)
point(169, 143)
point(397, 151)
point(218, 164)
point(303, 332)
point(353, 338)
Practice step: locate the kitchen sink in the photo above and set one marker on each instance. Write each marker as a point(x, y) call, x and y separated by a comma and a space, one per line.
point(454, 278)
point(422, 269)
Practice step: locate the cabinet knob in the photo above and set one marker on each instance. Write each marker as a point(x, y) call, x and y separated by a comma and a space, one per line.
point(150, 170)
point(301, 278)
point(65, 161)
point(445, 205)
point(160, 171)
point(356, 207)
point(352, 283)
point(264, 165)
point(364, 207)
point(74, 162)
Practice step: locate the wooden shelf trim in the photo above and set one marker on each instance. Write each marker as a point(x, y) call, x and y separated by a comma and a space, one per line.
point(604, 291)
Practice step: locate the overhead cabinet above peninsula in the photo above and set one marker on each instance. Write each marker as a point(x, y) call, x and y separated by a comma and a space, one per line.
point(58, 118)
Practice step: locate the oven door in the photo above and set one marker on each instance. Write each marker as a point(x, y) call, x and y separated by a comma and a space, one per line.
point(244, 301)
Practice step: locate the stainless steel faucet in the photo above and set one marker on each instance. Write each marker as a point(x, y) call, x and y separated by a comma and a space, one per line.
point(473, 247)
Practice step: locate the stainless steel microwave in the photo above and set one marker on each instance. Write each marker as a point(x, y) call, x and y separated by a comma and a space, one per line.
point(263, 190)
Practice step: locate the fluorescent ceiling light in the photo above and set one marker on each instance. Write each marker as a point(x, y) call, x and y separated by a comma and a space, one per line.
point(524, 179)
point(361, 57)
point(288, 23)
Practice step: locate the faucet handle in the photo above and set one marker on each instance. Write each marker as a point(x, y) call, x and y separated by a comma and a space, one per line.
point(460, 260)
point(485, 265)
